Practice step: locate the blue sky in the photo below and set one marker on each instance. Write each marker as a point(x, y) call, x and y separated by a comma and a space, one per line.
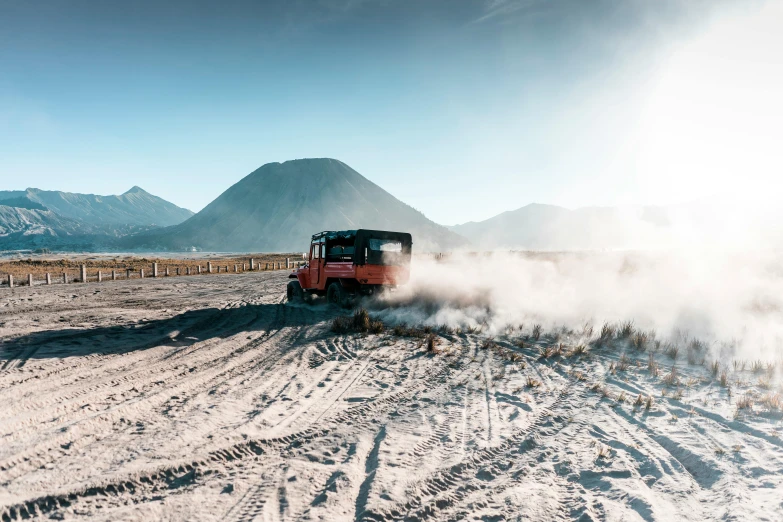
point(462, 109)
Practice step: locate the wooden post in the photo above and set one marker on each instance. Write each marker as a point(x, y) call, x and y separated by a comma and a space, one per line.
point(65, 278)
point(226, 268)
point(167, 271)
point(209, 267)
point(141, 273)
point(113, 275)
point(83, 273)
point(244, 267)
point(48, 278)
point(30, 280)
point(10, 281)
point(287, 263)
point(128, 273)
point(266, 267)
point(177, 270)
point(154, 269)
point(199, 269)
point(187, 271)
point(252, 264)
point(100, 276)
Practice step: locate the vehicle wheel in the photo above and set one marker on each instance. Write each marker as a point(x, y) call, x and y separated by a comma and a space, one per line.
point(336, 294)
point(294, 291)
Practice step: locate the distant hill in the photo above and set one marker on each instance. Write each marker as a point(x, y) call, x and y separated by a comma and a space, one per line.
point(549, 227)
point(135, 208)
point(36, 218)
point(280, 205)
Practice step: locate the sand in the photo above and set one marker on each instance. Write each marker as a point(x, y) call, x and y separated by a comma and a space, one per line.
point(212, 399)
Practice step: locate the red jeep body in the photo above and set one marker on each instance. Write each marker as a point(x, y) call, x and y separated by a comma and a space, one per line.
point(351, 262)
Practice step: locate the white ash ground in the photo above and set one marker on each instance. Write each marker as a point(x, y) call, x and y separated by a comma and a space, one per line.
point(211, 399)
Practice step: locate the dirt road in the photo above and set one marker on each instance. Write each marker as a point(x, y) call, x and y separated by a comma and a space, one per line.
point(212, 399)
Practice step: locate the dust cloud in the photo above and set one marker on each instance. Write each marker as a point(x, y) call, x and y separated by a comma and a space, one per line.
point(731, 300)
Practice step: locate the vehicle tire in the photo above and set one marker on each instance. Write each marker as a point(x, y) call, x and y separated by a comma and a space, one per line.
point(294, 292)
point(335, 294)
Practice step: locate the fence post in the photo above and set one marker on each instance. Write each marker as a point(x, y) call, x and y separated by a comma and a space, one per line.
point(226, 268)
point(252, 264)
point(113, 275)
point(154, 269)
point(199, 269)
point(30, 280)
point(187, 271)
point(266, 267)
point(177, 270)
point(83, 273)
point(287, 263)
point(48, 278)
point(141, 273)
point(167, 270)
point(10, 281)
point(128, 273)
point(100, 276)
point(209, 267)
point(65, 278)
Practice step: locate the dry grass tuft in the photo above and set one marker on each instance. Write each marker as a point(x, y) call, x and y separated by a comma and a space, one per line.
point(431, 343)
point(536, 332)
point(639, 341)
point(578, 350)
point(607, 332)
point(341, 325)
point(671, 378)
point(532, 382)
point(626, 330)
point(604, 452)
point(648, 404)
point(724, 379)
point(671, 351)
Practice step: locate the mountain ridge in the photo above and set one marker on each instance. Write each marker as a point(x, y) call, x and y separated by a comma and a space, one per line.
point(278, 206)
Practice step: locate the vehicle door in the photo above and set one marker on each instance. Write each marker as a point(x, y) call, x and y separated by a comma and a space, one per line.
point(316, 259)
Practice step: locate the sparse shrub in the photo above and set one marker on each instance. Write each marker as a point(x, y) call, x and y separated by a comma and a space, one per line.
point(607, 332)
point(621, 397)
point(473, 329)
point(430, 343)
point(745, 402)
point(578, 350)
point(757, 367)
point(677, 395)
point(340, 325)
point(623, 364)
point(400, 329)
point(648, 404)
point(532, 382)
point(639, 401)
point(445, 329)
point(715, 368)
point(376, 326)
point(487, 343)
point(772, 402)
point(724, 379)
point(361, 320)
point(536, 332)
point(764, 383)
point(626, 330)
point(639, 341)
point(672, 351)
point(671, 378)
point(652, 366)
